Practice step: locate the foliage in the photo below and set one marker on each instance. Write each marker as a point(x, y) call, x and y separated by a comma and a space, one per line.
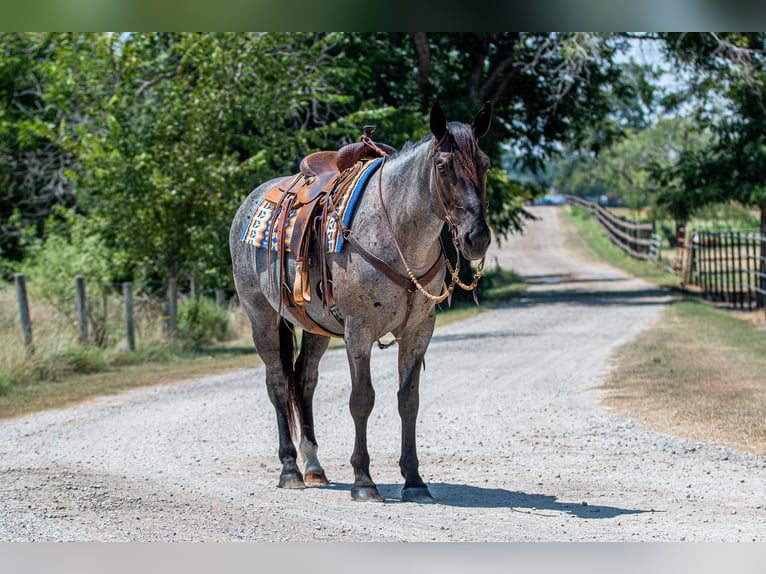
point(157, 137)
point(32, 160)
point(637, 169)
point(72, 248)
point(731, 166)
point(201, 322)
point(189, 121)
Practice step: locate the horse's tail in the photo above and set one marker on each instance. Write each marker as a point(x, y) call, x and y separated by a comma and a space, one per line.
point(287, 358)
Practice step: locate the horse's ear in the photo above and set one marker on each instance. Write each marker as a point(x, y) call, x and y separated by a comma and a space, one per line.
point(482, 120)
point(438, 121)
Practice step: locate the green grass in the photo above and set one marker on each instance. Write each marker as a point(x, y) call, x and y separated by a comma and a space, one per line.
point(24, 398)
point(586, 237)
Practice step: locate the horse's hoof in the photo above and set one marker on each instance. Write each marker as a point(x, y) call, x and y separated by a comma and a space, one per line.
point(316, 478)
point(291, 480)
point(416, 494)
point(366, 494)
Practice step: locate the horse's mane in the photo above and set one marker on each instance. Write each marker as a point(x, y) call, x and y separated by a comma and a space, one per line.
point(464, 148)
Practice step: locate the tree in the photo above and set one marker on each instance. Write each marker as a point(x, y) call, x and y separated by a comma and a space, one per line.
point(188, 123)
point(732, 166)
point(157, 137)
point(33, 164)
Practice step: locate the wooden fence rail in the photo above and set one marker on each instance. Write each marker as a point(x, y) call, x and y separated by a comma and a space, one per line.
point(636, 239)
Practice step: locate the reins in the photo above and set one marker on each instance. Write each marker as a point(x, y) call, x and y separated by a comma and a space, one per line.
point(453, 271)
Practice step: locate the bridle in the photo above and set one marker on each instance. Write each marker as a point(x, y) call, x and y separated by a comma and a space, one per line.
point(453, 271)
point(412, 283)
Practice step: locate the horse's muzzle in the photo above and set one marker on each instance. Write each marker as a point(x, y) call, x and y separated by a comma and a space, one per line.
point(475, 242)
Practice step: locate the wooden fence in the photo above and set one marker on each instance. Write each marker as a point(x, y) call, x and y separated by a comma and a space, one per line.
point(81, 309)
point(728, 266)
point(635, 239)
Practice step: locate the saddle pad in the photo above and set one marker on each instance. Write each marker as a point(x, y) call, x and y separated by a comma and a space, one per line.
point(257, 230)
point(346, 200)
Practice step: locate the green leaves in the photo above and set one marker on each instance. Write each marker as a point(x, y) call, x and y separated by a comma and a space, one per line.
point(157, 137)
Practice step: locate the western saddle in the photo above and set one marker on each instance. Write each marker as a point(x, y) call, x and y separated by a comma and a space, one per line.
point(308, 199)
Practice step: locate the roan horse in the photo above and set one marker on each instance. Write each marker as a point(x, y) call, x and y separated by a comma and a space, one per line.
point(386, 279)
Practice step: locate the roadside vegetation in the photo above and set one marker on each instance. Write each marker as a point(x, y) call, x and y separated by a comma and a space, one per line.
point(210, 341)
point(699, 372)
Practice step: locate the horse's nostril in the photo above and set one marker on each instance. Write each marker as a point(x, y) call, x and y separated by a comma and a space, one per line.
point(478, 234)
point(476, 241)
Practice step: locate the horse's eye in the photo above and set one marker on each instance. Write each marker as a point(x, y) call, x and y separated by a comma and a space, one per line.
point(442, 168)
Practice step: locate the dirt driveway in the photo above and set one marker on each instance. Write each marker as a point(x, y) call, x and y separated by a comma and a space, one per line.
point(513, 442)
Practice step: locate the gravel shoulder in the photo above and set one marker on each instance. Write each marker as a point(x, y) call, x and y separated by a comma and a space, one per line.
point(513, 441)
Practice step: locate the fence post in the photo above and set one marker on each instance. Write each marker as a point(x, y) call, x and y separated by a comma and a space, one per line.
point(82, 309)
point(220, 297)
point(130, 331)
point(172, 303)
point(194, 287)
point(26, 322)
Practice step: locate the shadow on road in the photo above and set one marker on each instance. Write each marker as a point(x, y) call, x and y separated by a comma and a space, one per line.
point(469, 496)
point(591, 297)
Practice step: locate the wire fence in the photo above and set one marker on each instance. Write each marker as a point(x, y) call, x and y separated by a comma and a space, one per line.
point(137, 308)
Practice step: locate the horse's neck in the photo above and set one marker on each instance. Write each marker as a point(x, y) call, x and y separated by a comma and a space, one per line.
point(406, 189)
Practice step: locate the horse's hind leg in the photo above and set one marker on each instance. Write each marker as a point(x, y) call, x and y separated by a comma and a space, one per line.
point(274, 343)
point(307, 374)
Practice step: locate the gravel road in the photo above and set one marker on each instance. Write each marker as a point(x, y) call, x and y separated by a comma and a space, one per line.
point(512, 440)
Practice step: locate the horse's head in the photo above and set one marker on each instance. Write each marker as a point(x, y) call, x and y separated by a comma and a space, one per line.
point(460, 171)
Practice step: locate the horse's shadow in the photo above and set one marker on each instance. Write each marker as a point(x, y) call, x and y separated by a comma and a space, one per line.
point(469, 496)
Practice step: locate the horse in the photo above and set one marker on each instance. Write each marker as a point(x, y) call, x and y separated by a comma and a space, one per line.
point(387, 279)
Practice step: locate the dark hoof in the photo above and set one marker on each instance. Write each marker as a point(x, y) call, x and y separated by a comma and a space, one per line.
point(316, 478)
point(291, 480)
point(366, 494)
point(416, 494)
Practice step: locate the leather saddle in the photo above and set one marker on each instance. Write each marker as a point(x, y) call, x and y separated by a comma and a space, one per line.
point(306, 199)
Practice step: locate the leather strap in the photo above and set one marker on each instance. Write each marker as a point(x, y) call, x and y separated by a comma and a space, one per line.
point(395, 276)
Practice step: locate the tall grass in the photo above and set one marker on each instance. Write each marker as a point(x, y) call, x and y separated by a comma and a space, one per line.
point(58, 353)
point(61, 371)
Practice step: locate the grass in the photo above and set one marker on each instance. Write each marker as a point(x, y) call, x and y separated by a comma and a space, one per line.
point(21, 399)
point(586, 238)
point(62, 373)
point(698, 373)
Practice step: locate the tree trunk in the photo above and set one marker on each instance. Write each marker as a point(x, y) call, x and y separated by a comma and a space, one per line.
point(762, 267)
point(423, 61)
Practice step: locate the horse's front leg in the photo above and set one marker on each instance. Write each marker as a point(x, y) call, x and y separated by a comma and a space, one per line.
point(361, 402)
point(412, 348)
